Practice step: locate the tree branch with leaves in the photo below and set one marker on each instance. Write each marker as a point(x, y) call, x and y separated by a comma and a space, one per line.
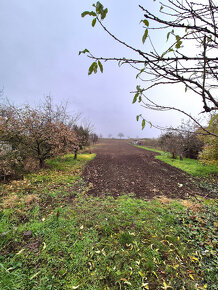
point(184, 22)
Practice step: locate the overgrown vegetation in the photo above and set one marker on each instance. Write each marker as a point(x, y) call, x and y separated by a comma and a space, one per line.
point(54, 236)
point(209, 155)
point(191, 151)
point(33, 135)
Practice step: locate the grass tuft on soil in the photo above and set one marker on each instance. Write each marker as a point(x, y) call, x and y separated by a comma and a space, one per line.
point(54, 236)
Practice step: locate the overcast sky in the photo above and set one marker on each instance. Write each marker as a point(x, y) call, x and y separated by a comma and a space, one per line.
point(39, 45)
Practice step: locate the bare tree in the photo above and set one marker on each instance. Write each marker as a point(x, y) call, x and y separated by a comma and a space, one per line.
point(121, 135)
point(185, 22)
point(93, 138)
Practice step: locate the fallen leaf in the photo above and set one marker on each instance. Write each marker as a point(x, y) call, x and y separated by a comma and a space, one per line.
point(20, 252)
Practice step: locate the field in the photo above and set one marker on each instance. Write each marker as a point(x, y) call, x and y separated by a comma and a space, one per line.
point(122, 168)
point(120, 220)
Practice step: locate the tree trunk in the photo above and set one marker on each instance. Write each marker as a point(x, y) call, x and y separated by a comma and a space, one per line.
point(181, 157)
point(75, 154)
point(41, 163)
point(173, 155)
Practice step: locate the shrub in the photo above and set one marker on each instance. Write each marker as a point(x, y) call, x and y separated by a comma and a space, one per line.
point(209, 155)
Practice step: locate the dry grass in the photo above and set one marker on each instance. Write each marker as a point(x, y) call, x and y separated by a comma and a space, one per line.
point(164, 200)
point(189, 204)
point(30, 199)
point(10, 201)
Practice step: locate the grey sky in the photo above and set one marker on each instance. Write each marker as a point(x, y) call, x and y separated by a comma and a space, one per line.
point(39, 44)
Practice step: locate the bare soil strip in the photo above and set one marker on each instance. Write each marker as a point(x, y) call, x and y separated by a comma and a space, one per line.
point(123, 168)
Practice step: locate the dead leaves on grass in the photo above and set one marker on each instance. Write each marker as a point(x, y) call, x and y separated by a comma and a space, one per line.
point(13, 201)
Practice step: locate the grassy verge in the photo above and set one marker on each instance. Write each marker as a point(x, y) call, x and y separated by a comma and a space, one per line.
point(191, 166)
point(150, 149)
point(54, 236)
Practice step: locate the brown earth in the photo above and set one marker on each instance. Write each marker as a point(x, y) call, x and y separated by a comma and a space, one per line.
point(120, 168)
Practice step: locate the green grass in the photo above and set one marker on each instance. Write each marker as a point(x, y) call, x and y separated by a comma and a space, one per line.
point(150, 149)
point(84, 242)
point(191, 166)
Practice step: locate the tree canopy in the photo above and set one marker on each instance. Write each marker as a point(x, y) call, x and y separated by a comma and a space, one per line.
point(38, 134)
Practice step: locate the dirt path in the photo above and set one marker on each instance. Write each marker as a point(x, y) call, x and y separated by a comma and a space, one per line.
point(123, 168)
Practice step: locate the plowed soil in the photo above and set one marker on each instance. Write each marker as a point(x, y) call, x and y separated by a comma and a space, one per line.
point(120, 168)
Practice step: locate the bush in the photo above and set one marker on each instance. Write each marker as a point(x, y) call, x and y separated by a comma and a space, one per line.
point(209, 155)
point(34, 134)
point(172, 142)
point(11, 165)
point(192, 145)
point(184, 142)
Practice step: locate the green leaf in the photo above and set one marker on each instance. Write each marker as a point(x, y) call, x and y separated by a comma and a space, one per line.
point(168, 35)
point(135, 98)
point(143, 124)
point(141, 71)
point(99, 7)
point(140, 99)
point(93, 68)
point(104, 13)
point(83, 51)
point(145, 36)
point(85, 13)
point(150, 124)
point(94, 22)
point(161, 7)
point(164, 53)
point(178, 44)
point(186, 88)
point(138, 88)
point(100, 10)
point(137, 117)
point(145, 21)
point(178, 37)
point(90, 13)
point(100, 66)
